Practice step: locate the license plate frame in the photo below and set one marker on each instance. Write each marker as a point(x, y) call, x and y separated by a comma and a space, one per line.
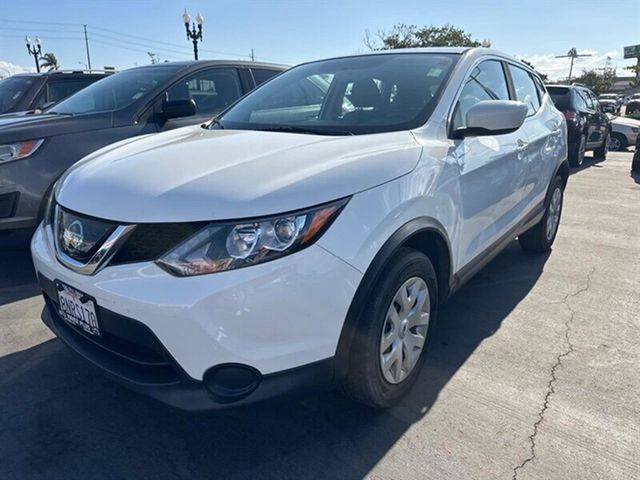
point(78, 309)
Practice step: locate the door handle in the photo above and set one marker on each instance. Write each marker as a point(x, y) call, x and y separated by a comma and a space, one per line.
point(522, 145)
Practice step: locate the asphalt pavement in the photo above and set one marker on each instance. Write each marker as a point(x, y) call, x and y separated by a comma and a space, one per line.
point(534, 375)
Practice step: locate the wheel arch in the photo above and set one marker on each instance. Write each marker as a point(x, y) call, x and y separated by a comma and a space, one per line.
point(423, 234)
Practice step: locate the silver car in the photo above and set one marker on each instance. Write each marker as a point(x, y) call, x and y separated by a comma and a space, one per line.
point(624, 132)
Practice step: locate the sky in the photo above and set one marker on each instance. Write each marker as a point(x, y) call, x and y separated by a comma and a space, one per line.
point(121, 32)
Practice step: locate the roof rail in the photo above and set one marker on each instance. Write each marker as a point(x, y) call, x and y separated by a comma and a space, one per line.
point(80, 70)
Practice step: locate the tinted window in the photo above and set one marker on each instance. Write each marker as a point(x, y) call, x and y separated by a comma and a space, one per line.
point(261, 75)
point(587, 98)
point(486, 82)
point(526, 91)
point(366, 94)
point(211, 90)
point(561, 97)
point(116, 91)
point(12, 90)
point(55, 91)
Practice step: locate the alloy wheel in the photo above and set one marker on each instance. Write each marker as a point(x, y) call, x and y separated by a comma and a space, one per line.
point(405, 330)
point(553, 216)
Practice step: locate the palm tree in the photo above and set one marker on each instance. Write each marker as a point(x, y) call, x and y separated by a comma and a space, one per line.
point(49, 61)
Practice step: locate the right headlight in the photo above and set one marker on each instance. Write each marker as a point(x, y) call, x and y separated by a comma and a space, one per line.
point(227, 246)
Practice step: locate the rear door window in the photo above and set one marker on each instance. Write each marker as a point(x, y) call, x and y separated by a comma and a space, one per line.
point(261, 75)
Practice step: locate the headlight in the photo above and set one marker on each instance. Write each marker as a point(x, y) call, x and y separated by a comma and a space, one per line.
point(224, 246)
point(16, 151)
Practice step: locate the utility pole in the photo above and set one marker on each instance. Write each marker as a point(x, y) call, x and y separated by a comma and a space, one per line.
point(86, 44)
point(572, 54)
point(253, 58)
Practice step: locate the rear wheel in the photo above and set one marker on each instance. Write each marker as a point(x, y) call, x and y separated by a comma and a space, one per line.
point(602, 150)
point(540, 237)
point(618, 142)
point(577, 151)
point(393, 331)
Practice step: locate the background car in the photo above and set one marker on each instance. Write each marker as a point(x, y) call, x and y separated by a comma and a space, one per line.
point(624, 132)
point(610, 106)
point(588, 127)
point(36, 150)
point(633, 107)
point(27, 92)
point(611, 97)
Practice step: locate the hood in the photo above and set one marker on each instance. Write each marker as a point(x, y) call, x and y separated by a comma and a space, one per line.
point(194, 174)
point(26, 127)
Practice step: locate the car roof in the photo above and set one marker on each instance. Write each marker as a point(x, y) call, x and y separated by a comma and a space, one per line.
point(82, 73)
point(184, 64)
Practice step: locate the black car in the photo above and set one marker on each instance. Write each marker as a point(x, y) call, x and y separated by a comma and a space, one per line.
point(28, 92)
point(36, 149)
point(588, 127)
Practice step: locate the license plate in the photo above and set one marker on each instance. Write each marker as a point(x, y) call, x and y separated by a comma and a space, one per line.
point(78, 309)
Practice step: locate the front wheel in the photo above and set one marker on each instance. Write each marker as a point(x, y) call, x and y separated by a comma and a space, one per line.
point(393, 331)
point(540, 237)
point(618, 142)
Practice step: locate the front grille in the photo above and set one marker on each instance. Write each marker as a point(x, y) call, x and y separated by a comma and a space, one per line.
point(8, 204)
point(80, 236)
point(149, 241)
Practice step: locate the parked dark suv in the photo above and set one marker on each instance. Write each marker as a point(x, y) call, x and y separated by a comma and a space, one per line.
point(588, 127)
point(27, 92)
point(36, 149)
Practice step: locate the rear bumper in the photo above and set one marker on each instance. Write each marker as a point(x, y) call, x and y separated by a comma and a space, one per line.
point(147, 368)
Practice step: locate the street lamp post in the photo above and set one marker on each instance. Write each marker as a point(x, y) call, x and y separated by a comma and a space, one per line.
point(36, 50)
point(193, 34)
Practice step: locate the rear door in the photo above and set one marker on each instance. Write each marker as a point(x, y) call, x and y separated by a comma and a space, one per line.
point(212, 90)
point(261, 75)
point(491, 167)
point(543, 128)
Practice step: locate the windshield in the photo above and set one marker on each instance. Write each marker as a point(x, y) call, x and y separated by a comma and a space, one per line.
point(354, 95)
point(115, 91)
point(12, 90)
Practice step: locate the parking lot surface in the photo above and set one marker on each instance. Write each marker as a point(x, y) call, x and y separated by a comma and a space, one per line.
point(534, 375)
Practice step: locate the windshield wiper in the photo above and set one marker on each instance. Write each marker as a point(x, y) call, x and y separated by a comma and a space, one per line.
point(308, 130)
point(215, 121)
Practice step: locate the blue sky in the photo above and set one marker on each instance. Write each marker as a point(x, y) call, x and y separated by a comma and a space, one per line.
point(291, 31)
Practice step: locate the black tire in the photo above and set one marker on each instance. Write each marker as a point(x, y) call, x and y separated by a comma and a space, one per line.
point(364, 381)
point(601, 152)
point(618, 142)
point(577, 151)
point(536, 239)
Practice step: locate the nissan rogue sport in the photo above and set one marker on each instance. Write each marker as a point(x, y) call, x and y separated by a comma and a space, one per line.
point(309, 234)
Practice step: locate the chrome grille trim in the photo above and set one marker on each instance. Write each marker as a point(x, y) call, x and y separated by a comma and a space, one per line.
point(100, 259)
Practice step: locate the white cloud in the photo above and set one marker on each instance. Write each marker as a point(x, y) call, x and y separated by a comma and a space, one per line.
point(558, 68)
point(8, 68)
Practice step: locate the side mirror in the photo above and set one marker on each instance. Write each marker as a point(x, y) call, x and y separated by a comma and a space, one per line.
point(178, 108)
point(493, 117)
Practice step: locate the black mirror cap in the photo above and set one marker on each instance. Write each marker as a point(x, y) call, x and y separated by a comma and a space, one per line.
point(178, 108)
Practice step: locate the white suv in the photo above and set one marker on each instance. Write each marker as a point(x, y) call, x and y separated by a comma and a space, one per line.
point(309, 234)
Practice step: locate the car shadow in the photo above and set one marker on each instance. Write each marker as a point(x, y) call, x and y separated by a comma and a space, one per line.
point(62, 419)
point(589, 162)
point(17, 275)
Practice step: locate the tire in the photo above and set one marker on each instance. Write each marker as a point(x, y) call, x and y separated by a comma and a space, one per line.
point(365, 380)
point(601, 152)
point(618, 142)
point(540, 237)
point(577, 151)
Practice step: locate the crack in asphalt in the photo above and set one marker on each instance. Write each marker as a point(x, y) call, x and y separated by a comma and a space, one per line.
point(552, 380)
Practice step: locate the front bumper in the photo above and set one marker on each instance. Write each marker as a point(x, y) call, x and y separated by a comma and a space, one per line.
point(281, 319)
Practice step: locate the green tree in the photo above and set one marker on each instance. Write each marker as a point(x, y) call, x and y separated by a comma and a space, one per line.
point(411, 36)
point(597, 80)
point(49, 60)
point(543, 76)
